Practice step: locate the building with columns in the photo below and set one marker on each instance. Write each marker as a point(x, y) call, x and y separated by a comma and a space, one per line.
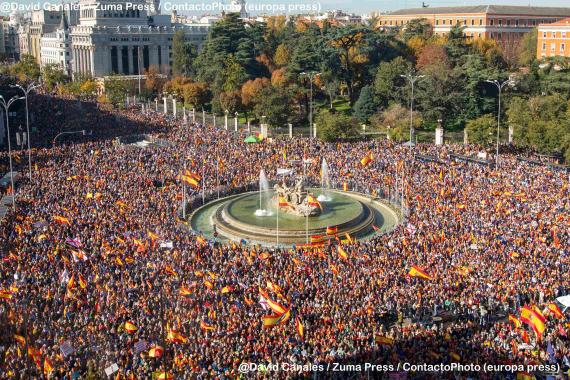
point(120, 37)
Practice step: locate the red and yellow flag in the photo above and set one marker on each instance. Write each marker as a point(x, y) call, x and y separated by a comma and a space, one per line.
point(206, 327)
point(366, 159)
point(555, 310)
point(416, 271)
point(383, 340)
point(332, 230)
point(300, 327)
point(155, 352)
point(533, 319)
point(175, 337)
point(60, 219)
point(515, 321)
point(342, 253)
point(130, 327)
point(48, 367)
point(283, 202)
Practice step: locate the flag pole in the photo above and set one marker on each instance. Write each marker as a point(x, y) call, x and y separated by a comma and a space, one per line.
point(218, 176)
point(184, 194)
point(278, 207)
point(203, 183)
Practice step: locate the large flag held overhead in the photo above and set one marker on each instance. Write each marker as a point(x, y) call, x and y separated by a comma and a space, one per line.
point(416, 271)
point(366, 159)
point(533, 319)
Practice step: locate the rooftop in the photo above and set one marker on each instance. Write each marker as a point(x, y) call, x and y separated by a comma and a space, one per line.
point(490, 9)
point(564, 22)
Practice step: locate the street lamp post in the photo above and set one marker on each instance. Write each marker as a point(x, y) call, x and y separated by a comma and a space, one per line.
point(236, 122)
point(6, 106)
point(26, 91)
point(500, 86)
point(83, 132)
point(412, 79)
point(311, 75)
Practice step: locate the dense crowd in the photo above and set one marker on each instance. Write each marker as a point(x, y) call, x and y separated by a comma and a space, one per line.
point(87, 251)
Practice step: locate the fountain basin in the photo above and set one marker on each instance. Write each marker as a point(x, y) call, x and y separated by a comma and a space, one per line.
point(234, 218)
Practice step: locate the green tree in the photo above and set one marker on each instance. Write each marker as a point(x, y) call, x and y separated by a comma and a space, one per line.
point(389, 86)
point(183, 55)
point(527, 48)
point(419, 27)
point(115, 91)
point(234, 74)
point(282, 55)
point(26, 69)
point(52, 75)
point(365, 106)
point(275, 104)
point(482, 130)
point(332, 126)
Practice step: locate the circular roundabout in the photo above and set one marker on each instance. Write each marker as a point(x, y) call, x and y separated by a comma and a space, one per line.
point(240, 218)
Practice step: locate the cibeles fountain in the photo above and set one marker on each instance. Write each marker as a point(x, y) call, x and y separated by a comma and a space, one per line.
point(292, 214)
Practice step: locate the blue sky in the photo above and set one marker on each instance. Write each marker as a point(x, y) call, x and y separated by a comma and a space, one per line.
point(355, 6)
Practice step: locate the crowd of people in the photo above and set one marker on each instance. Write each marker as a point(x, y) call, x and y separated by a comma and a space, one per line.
point(98, 268)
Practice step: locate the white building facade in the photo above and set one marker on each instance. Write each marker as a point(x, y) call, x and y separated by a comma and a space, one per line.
point(56, 47)
point(119, 37)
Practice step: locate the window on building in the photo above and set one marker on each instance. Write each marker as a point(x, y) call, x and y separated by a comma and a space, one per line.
point(443, 21)
point(499, 35)
point(544, 46)
point(553, 47)
point(508, 22)
point(563, 34)
point(562, 47)
point(517, 23)
point(436, 22)
point(500, 22)
point(543, 34)
point(480, 21)
point(491, 22)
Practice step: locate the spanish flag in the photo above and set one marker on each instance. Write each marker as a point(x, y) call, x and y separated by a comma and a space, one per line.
point(190, 181)
point(533, 319)
point(314, 202)
point(155, 352)
point(226, 289)
point(71, 282)
point(130, 327)
point(332, 230)
point(48, 368)
point(348, 238)
point(5, 295)
point(273, 287)
point(20, 339)
point(60, 219)
point(554, 309)
point(515, 321)
point(200, 240)
point(164, 376)
point(184, 292)
point(316, 239)
point(366, 160)
point(121, 204)
point(153, 236)
point(206, 327)
point(175, 337)
point(283, 202)
point(208, 284)
point(82, 282)
point(270, 320)
point(345, 186)
point(194, 175)
point(384, 340)
point(276, 307)
point(342, 253)
point(416, 271)
point(300, 327)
